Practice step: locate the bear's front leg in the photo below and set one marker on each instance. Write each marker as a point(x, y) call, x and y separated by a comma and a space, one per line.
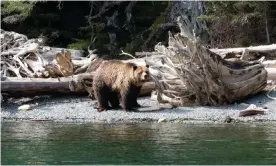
point(114, 100)
point(135, 90)
point(126, 100)
point(101, 95)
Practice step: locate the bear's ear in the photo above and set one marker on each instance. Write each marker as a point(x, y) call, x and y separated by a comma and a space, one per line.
point(134, 67)
point(147, 66)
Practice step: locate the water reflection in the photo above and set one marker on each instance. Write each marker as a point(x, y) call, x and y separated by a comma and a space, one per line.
point(146, 143)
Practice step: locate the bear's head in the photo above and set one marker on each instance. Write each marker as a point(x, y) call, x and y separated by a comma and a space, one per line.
point(141, 73)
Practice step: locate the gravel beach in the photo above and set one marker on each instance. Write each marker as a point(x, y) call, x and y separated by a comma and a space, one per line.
point(81, 109)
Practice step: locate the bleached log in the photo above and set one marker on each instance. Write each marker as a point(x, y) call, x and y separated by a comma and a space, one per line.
point(271, 73)
point(269, 63)
point(29, 85)
point(265, 50)
point(22, 86)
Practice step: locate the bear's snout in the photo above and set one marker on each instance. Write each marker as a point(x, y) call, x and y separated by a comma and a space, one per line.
point(145, 77)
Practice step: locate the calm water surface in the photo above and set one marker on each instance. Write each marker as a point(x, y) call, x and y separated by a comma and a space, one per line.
point(147, 143)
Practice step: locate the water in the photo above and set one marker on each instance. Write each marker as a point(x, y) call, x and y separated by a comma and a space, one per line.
point(146, 143)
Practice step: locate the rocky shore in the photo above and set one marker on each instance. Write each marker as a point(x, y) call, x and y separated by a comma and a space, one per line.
point(81, 109)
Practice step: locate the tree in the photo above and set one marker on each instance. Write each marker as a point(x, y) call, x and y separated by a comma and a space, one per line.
point(16, 11)
point(240, 23)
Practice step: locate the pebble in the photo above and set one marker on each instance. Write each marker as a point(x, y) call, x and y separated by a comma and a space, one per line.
point(24, 107)
point(161, 120)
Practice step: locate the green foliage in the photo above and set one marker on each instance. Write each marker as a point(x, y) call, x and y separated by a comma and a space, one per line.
point(80, 44)
point(16, 11)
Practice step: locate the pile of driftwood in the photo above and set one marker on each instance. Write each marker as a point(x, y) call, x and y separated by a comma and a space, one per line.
point(185, 72)
point(189, 73)
point(28, 68)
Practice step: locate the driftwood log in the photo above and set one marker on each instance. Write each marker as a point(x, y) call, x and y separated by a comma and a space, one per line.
point(14, 86)
point(189, 73)
point(248, 53)
point(245, 53)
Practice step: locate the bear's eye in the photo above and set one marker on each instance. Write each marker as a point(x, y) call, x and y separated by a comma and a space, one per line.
point(134, 67)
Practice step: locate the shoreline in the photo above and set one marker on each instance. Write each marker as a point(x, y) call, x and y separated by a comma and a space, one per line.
point(79, 109)
point(138, 121)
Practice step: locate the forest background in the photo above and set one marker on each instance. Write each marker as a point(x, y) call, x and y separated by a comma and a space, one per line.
point(135, 26)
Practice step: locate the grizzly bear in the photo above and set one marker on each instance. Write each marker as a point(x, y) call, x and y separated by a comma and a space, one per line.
point(114, 79)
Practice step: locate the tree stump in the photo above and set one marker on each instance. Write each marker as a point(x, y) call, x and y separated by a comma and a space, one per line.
point(190, 74)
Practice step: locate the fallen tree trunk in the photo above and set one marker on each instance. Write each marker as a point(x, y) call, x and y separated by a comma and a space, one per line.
point(27, 86)
point(248, 53)
point(252, 52)
point(264, 48)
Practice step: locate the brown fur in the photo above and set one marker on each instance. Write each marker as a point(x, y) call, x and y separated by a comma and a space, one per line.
point(115, 77)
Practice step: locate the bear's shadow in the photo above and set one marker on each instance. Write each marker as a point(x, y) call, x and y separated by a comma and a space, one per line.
point(156, 108)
